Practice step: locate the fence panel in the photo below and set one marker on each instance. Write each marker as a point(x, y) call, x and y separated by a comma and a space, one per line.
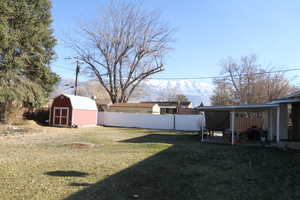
point(137, 120)
point(188, 122)
point(243, 123)
point(101, 118)
point(150, 121)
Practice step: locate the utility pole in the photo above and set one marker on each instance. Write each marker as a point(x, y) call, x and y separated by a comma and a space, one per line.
point(76, 73)
point(76, 78)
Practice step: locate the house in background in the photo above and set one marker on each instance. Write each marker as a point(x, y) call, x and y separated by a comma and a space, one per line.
point(289, 116)
point(280, 118)
point(70, 110)
point(188, 111)
point(171, 107)
point(152, 108)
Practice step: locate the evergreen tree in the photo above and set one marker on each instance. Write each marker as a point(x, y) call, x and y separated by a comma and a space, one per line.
point(26, 51)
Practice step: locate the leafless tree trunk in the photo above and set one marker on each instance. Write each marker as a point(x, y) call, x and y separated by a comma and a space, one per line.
point(127, 46)
point(93, 88)
point(222, 94)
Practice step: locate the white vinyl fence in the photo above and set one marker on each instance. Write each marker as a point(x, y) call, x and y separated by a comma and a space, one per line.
point(151, 121)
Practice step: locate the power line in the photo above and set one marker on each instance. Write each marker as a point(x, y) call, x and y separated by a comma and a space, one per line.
point(220, 77)
point(201, 77)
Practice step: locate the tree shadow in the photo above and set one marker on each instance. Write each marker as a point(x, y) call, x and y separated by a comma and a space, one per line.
point(67, 173)
point(191, 170)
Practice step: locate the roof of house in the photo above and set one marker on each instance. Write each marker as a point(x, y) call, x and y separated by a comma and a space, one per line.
point(292, 95)
point(169, 103)
point(288, 100)
point(134, 105)
point(82, 103)
point(291, 98)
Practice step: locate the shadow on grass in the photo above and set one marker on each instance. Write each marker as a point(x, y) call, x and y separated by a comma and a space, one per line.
point(80, 184)
point(166, 139)
point(191, 170)
point(67, 173)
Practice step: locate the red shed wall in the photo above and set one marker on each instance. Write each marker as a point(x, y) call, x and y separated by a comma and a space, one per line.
point(85, 117)
point(61, 102)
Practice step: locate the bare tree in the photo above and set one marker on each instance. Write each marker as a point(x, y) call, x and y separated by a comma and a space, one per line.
point(126, 47)
point(221, 93)
point(247, 82)
point(241, 77)
point(92, 88)
point(168, 94)
point(140, 92)
point(276, 85)
point(181, 97)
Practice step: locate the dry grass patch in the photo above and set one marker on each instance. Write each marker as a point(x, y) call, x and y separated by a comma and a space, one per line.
point(139, 164)
point(27, 159)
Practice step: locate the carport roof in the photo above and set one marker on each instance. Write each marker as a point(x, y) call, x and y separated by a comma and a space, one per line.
point(239, 108)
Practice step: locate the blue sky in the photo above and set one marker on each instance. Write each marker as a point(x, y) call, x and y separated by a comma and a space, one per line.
point(207, 31)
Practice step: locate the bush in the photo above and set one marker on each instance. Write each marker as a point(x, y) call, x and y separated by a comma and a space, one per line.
point(40, 115)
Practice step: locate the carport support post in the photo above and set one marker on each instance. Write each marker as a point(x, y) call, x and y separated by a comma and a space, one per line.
point(232, 127)
point(278, 126)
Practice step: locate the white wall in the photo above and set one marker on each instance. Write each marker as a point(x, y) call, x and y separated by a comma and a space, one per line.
point(284, 120)
point(150, 121)
point(283, 123)
point(188, 122)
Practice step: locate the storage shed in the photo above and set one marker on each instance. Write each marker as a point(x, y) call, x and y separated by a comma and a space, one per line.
point(70, 110)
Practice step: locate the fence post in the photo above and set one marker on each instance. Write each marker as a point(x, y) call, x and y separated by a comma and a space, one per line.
point(232, 127)
point(202, 131)
point(174, 122)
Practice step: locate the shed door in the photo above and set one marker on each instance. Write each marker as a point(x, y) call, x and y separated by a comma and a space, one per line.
point(61, 115)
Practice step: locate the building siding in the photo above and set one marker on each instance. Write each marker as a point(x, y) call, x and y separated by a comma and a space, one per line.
point(85, 117)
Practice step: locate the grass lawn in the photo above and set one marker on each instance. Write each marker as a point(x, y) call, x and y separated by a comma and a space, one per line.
point(118, 163)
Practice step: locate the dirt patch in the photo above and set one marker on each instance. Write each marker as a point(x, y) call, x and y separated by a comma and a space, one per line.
point(80, 145)
point(27, 127)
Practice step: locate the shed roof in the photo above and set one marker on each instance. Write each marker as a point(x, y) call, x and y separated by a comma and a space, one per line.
point(134, 105)
point(82, 103)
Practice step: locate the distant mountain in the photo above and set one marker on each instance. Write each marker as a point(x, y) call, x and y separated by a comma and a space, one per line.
point(152, 90)
point(194, 90)
point(63, 86)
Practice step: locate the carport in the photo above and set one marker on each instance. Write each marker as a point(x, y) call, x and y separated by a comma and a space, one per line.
point(272, 113)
